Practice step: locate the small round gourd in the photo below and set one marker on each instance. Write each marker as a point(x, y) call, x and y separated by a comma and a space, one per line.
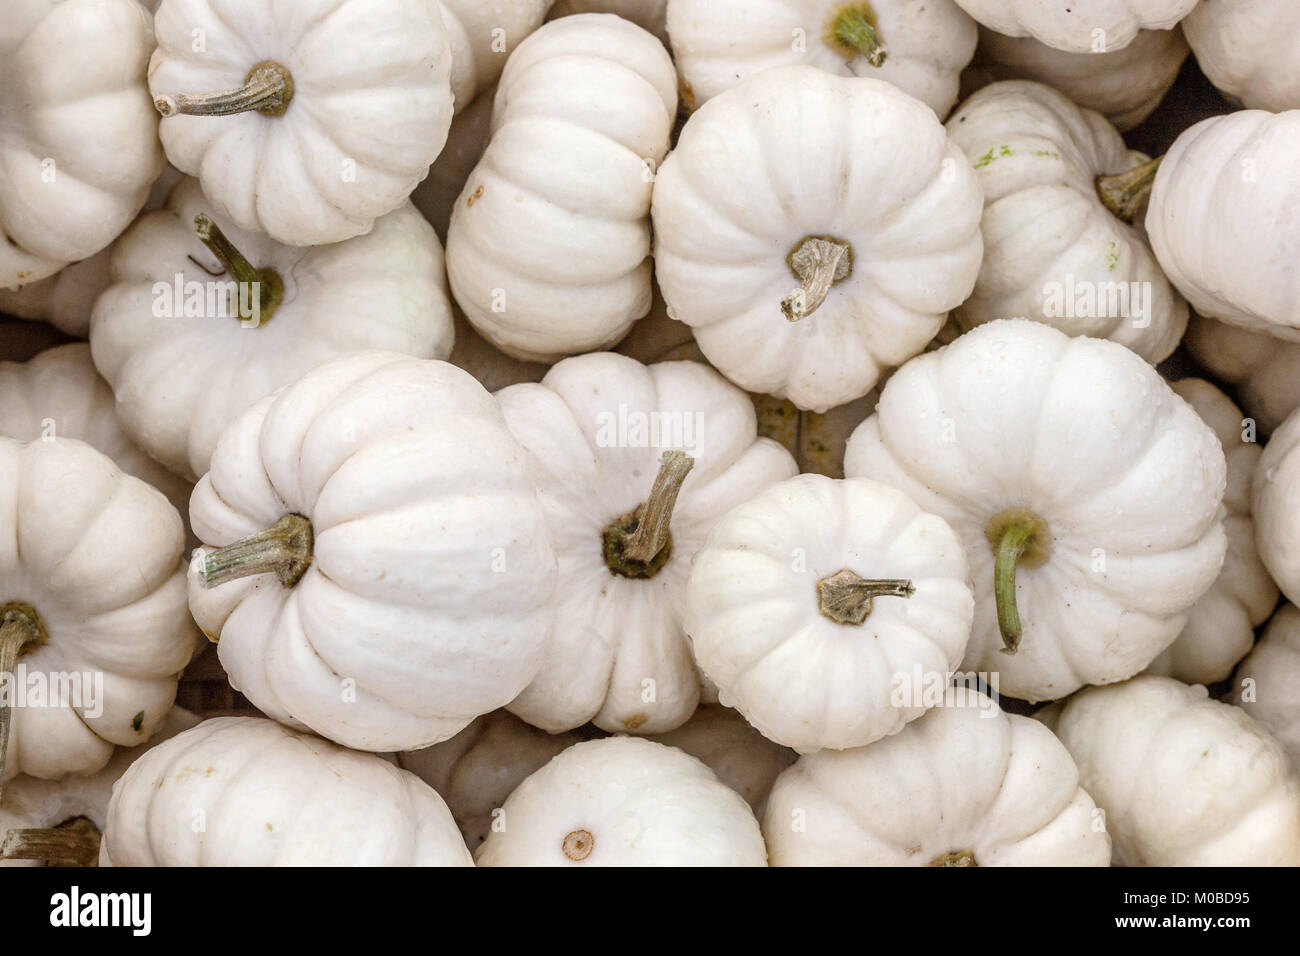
point(1079, 26)
point(623, 801)
point(1265, 681)
point(1247, 49)
point(809, 603)
point(1263, 370)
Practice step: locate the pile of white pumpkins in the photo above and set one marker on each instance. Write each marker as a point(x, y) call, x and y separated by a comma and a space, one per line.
point(779, 434)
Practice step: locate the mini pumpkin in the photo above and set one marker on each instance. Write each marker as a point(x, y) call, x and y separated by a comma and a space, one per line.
point(623, 801)
point(1086, 492)
point(1264, 684)
point(81, 145)
point(1247, 49)
point(203, 319)
point(267, 109)
point(1275, 501)
point(267, 795)
point(1056, 249)
point(1184, 779)
point(809, 602)
point(548, 248)
point(920, 46)
point(634, 464)
point(1080, 26)
point(378, 568)
point(1263, 370)
point(808, 265)
point(965, 785)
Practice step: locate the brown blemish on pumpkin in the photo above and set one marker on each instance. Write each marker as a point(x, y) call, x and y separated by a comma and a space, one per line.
point(635, 721)
point(474, 196)
point(578, 844)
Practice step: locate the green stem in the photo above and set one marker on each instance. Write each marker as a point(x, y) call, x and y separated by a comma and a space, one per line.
point(267, 282)
point(955, 858)
point(267, 89)
point(1123, 193)
point(1017, 536)
point(854, 33)
point(74, 843)
point(284, 549)
point(20, 631)
point(847, 598)
point(638, 544)
point(818, 262)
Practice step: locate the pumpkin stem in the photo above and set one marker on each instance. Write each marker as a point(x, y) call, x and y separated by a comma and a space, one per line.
point(1123, 193)
point(818, 262)
point(1017, 536)
point(955, 858)
point(72, 843)
point(285, 548)
point(638, 544)
point(853, 31)
point(266, 283)
point(846, 597)
point(267, 89)
point(21, 630)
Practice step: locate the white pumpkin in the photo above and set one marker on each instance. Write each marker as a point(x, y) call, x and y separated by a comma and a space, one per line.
point(383, 571)
point(966, 785)
point(649, 15)
point(80, 136)
point(920, 46)
point(1222, 219)
point(811, 604)
point(1265, 682)
point(634, 465)
point(482, 33)
point(436, 196)
point(548, 249)
point(1264, 371)
point(743, 759)
point(58, 394)
point(807, 265)
point(1087, 494)
point(304, 119)
point(1054, 252)
point(60, 822)
point(271, 796)
point(1247, 49)
point(1184, 779)
point(1124, 85)
point(188, 341)
point(1221, 626)
point(622, 801)
point(92, 622)
point(476, 770)
point(1275, 500)
point(1080, 26)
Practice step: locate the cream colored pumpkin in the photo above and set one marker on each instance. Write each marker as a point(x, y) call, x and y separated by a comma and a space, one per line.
point(92, 607)
point(622, 801)
point(647, 14)
point(1222, 219)
point(476, 770)
point(1264, 371)
point(1086, 492)
point(184, 361)
point(808, 265)
point(1247, 49)
point(966, 785)
point(1124, 85)
point(389, 575)
point(306, 120)
point(1275, 501)
point(481, 34)
point(58, 394)
point(1053, 251)
point(920, 46)
point(614, 446)
point(81, 145)
point(436, 195)
point(51, 805)
point(271, 796)
point(1080, 26)
point(811, 605)
point(549, 242)
point(1264, 684)
point(1221, 625)
point(1184, 779)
